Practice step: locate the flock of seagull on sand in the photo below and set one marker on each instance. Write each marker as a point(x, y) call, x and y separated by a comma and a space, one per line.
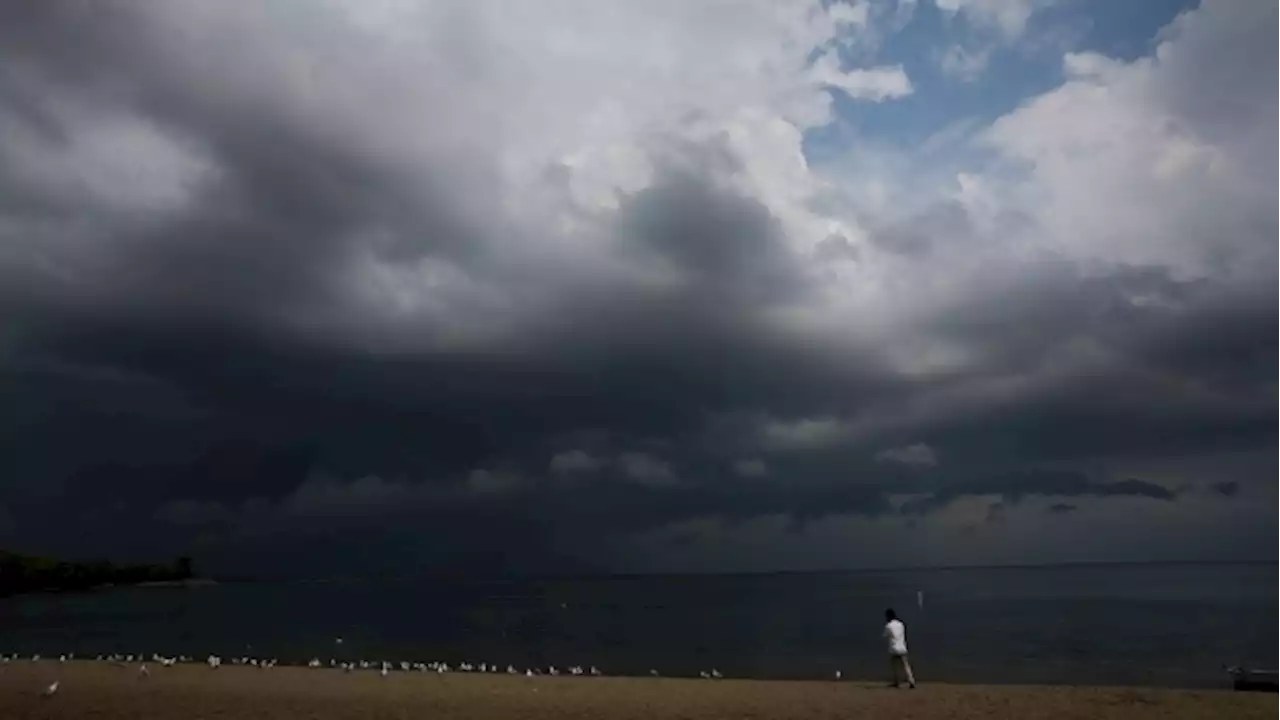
point(383, 668)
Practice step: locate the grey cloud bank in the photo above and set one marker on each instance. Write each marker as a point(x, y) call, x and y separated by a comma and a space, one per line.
point(377, 279)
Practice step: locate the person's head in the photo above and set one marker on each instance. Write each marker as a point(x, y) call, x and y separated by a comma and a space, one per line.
point(890, 615)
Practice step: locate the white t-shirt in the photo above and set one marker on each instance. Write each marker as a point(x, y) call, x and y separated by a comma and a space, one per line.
point(896, 635)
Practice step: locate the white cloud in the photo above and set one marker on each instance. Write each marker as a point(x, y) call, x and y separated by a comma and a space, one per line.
point(574, 461)
point(750, 468)
point(916, 455)
point(1140, 163)
point(876, 84)
point(849, 13)
point(1008, 16)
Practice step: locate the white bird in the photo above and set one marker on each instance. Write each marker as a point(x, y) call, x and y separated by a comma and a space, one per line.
point(62, 658)
point(49, 691)
point(144, 671)
point(35, 658)
point(337, 640)
point(553, 671)
point(595, 672)
point(383, 671)
point(653, 672)
point(528, 673)
point(704, 675)
point(511, 670)
point(313, 663)
point(716, 674)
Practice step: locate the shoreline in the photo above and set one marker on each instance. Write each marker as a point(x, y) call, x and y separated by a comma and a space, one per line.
point(337, 664)
point(105, 689)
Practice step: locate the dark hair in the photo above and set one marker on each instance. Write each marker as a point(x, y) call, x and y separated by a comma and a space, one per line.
point(890, 615)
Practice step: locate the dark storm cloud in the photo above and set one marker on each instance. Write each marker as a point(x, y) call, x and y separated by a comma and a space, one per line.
point(1226, 488)
point(1061, 508)
point(215, 372)
point(1014, 487)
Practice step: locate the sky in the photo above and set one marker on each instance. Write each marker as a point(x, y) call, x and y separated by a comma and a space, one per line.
point(398, 286)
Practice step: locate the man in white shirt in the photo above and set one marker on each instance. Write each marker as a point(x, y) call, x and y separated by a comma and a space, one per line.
point(895, 634)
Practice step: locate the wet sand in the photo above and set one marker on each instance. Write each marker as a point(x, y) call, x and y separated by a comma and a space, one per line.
point(189, 692)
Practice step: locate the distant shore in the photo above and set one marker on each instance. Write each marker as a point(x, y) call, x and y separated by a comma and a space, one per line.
point(116, 690)
point(189, 582)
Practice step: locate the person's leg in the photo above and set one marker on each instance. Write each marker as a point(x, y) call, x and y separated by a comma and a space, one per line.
point(906, 668)
point(893, 671)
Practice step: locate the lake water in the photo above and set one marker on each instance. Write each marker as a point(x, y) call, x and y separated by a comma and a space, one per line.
point(1173, 625)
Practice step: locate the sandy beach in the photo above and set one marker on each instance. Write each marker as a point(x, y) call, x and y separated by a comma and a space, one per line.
point(190, 692)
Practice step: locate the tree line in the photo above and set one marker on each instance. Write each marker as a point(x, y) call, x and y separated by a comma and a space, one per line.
point(27, 573)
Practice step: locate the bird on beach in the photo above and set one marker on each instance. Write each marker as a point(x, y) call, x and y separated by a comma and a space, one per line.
point(704, 675)
point(595, 672)
point(716, 674)
point(49, 691)
point(838, 675)
point(144, 671)
point(653, 673)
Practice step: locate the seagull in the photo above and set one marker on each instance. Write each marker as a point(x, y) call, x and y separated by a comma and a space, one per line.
point(383, 671)
point(62, 658)
point(511, 670)
point(595, 672)
point(144, 671)
point(704, 675)
point(716, 674)
point(653, 672)
point(837, 674)
point(49, 691)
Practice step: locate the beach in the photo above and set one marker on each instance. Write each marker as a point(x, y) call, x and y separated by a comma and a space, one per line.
point(88, 689)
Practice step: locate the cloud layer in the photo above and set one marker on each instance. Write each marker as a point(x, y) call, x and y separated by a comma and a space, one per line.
point(565, 277)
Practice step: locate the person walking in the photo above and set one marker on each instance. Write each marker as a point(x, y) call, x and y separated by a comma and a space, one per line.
point(895, 634)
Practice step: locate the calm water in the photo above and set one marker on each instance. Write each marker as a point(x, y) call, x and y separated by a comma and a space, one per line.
point(1153, 624)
